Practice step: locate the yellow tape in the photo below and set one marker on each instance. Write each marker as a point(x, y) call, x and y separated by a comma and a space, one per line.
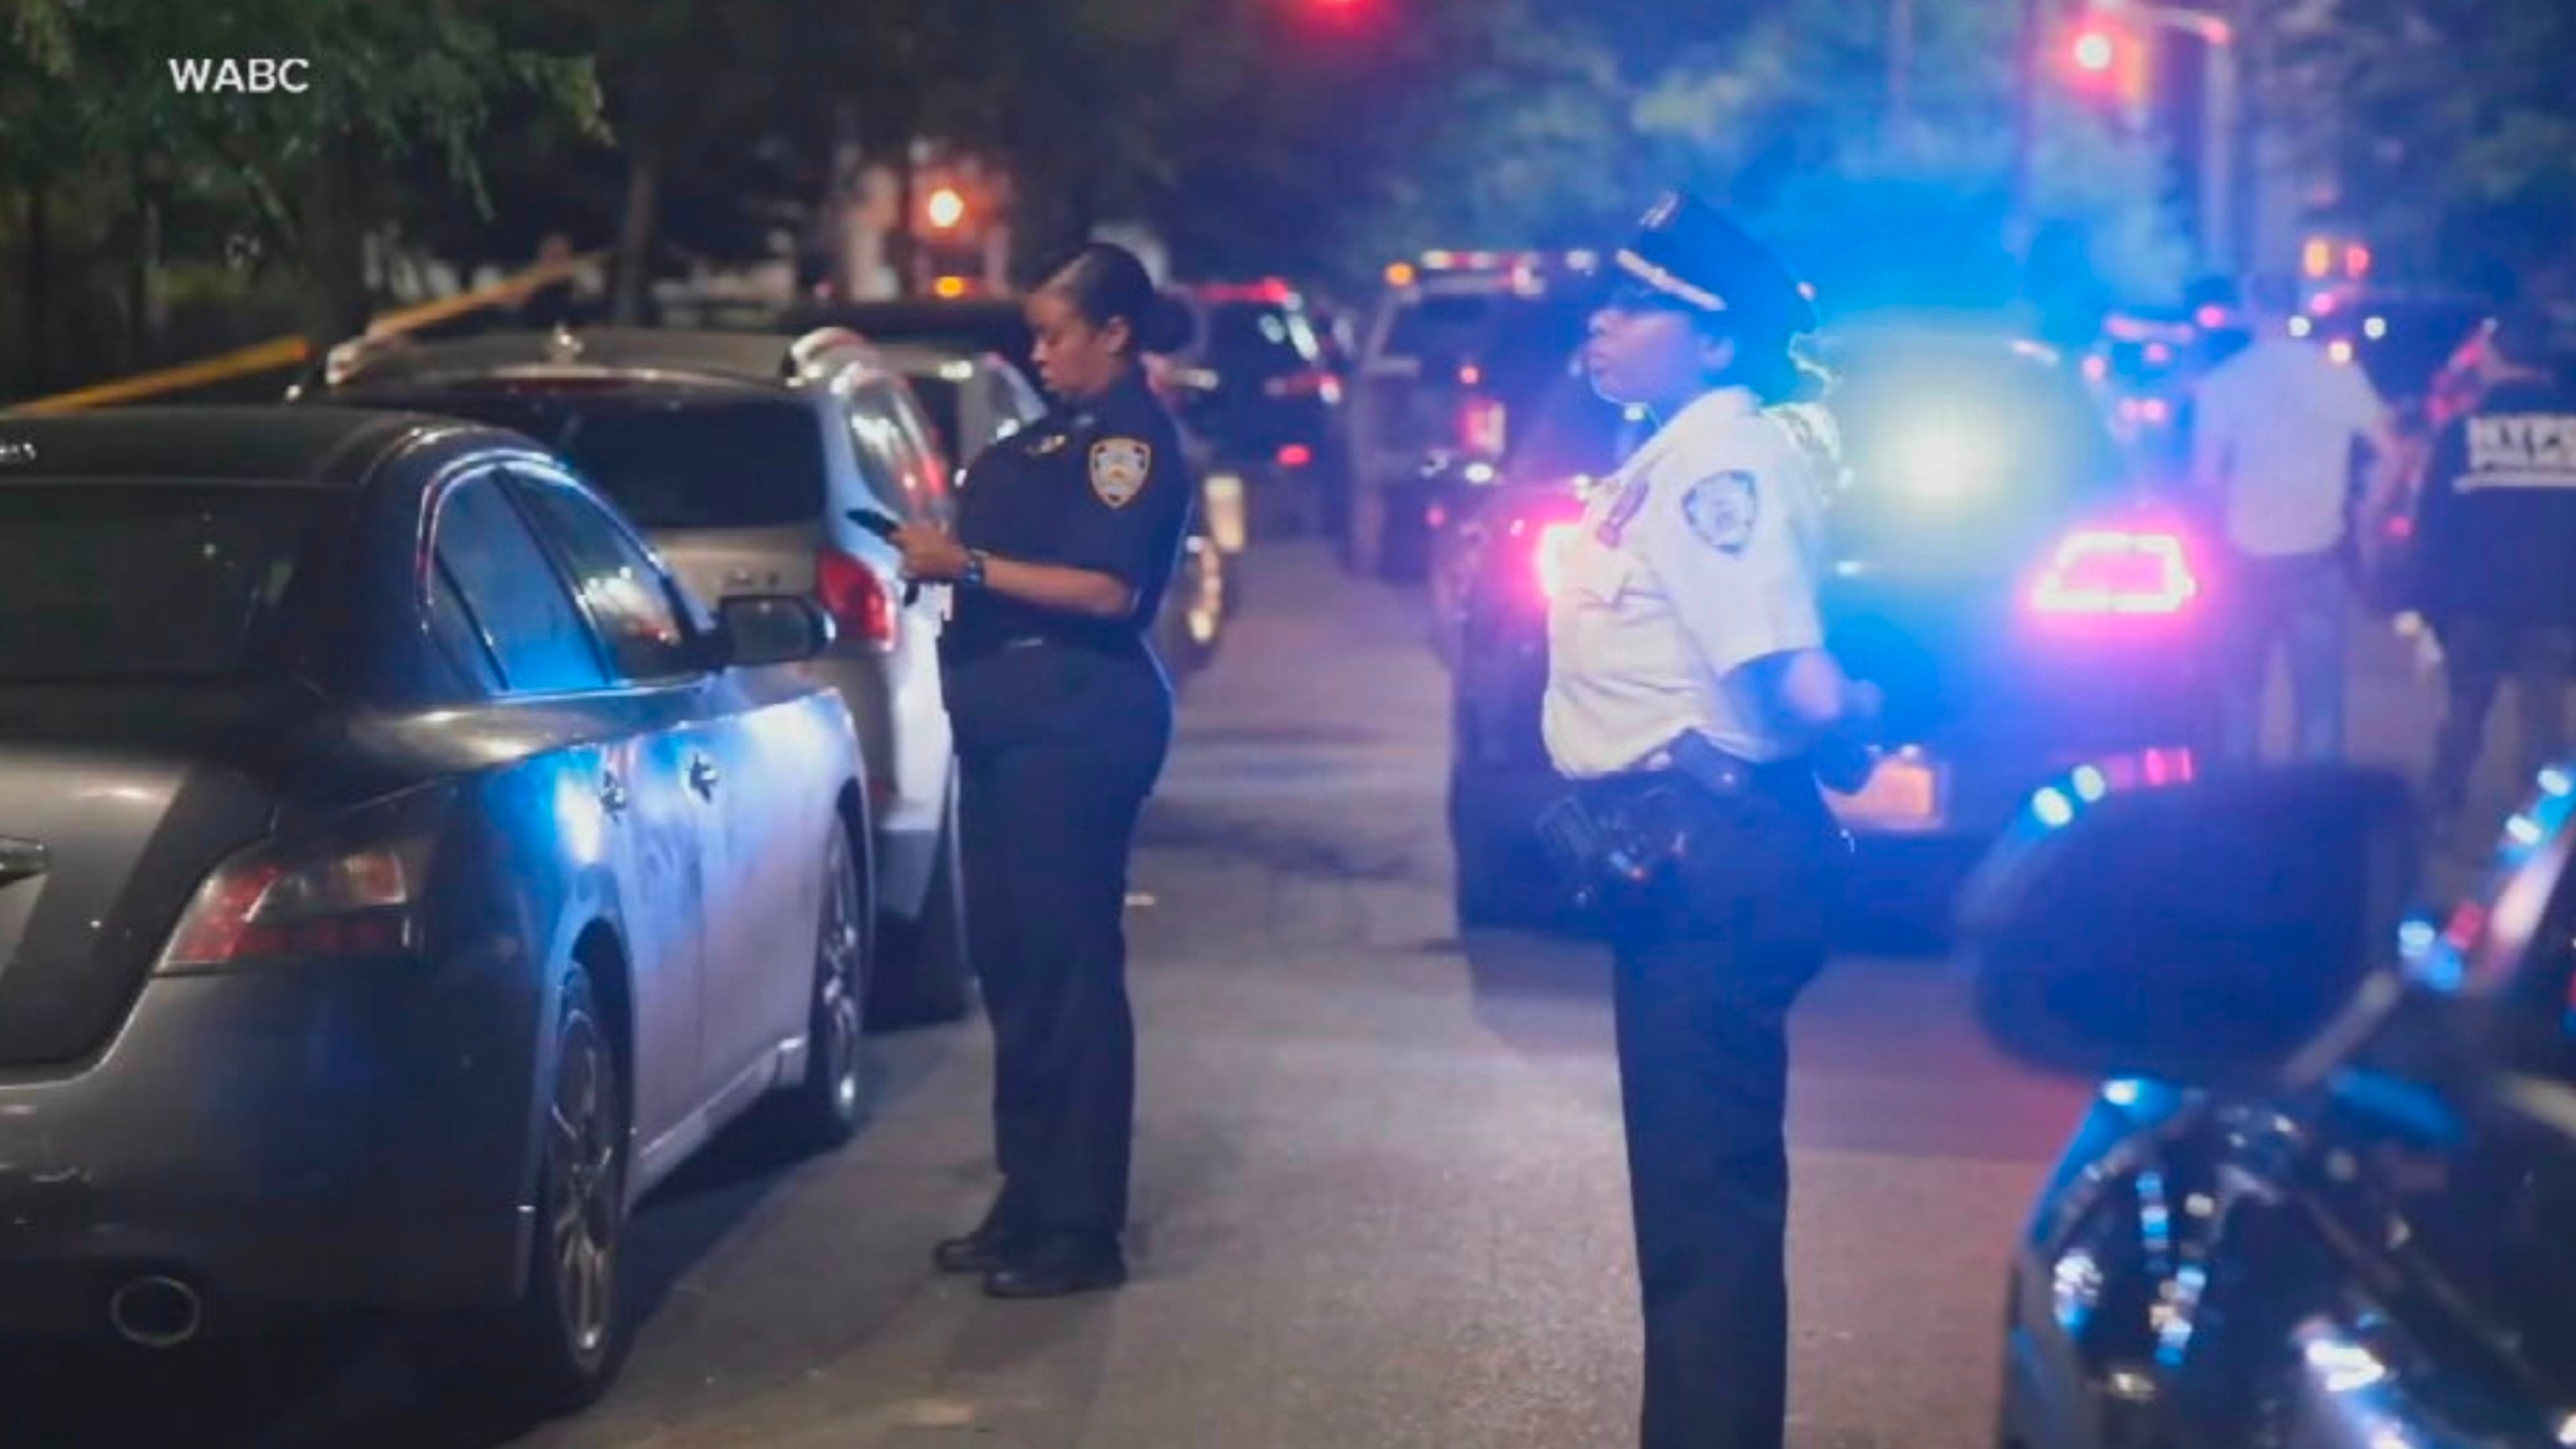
point(279, 353)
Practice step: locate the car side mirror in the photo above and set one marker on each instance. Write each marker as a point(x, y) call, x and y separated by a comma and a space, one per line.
point(765, 629)
point(2226, 933)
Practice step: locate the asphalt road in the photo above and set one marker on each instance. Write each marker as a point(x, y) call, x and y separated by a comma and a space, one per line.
point(1380, 1200)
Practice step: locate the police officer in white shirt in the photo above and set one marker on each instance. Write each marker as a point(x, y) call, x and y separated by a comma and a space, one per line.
point(2272, 439)
point(1687, 687)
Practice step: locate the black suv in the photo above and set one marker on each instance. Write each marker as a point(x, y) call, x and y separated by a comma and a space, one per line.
point(1460, 354)
point(2324, 1195)
point(2022, 605)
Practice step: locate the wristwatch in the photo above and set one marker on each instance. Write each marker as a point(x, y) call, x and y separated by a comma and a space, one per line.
point(973, 577)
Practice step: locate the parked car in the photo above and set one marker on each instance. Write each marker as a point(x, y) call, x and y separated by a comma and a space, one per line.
point(1257, 384)
point(1461, 348)
point(977, 399)
point(2322, 1197)
point(742, 456)
point(404, 873)
point(1994, 573)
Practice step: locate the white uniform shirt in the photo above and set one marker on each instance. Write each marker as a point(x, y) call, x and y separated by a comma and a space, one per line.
point(1700, 556)
point(2274, 428)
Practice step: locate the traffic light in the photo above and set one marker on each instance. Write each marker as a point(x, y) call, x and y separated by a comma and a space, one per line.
point(2110, 62)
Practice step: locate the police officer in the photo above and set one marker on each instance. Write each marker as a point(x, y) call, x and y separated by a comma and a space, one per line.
point(1687, 688)
point(2496, 533)
point(1067, 536)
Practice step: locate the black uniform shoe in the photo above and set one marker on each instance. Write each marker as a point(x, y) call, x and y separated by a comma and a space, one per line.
point(981, 1251)
point(1058, 1267)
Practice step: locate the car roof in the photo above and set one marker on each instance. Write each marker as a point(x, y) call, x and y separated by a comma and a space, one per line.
point(925, 356)
point(748, 360)
point(320, 446)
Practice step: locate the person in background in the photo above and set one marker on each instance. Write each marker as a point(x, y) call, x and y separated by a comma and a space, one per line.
point(2495, 558)
point(2273, 433)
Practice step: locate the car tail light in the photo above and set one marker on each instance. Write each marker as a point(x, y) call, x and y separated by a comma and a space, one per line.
point(341, 901)
point(2117, 571)
point(1296, 455)
point(1305, 384)
point(1483, 427)
point(856, 598)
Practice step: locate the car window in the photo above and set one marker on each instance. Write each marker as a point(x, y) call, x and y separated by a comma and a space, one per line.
point(898, 467)
point(512, 593)
point(460, 634)
point(669, 464)
point(630, 600)
point(1254, 339)
point(147, 580)
point(939, 398)
point(925, 458)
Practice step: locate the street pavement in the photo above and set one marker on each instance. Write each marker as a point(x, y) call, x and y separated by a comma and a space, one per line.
point(1379, 1192)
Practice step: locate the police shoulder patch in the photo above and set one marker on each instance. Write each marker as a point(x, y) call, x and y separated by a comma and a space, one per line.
point(1118, 469)
point(1722, 508)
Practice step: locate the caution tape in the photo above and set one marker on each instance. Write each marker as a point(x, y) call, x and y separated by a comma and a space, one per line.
point(280, 353)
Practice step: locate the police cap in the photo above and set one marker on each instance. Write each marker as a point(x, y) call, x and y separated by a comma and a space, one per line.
point(1689, 252)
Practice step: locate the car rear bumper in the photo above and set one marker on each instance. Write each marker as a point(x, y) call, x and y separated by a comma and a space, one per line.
point(281, 1144)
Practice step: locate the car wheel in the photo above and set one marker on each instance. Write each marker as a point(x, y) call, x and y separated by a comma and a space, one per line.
point(927, 973)
point(561, 1344)
point(825, 1109)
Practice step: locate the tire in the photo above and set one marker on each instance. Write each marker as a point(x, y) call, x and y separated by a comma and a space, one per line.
point(826, 1109)
point(558, 1348)
point(925, 973)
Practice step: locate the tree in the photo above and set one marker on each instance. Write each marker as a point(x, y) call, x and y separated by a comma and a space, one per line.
point(295, 169)
point(2458, 144)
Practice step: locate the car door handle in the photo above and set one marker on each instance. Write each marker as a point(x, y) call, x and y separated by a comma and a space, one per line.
point(703, 776)
point(612, 794)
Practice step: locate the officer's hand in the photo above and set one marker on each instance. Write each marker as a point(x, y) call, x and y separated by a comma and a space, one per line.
point(930, 554)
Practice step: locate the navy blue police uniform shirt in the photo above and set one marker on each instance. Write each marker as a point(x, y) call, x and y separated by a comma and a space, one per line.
point(1098, 485)
point(2498, 517)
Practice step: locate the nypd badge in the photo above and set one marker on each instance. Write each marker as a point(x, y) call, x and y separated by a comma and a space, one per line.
point(1118, 469)
point(1722, 508)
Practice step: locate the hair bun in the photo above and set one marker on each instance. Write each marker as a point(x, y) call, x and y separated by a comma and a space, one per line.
point(1167, 326)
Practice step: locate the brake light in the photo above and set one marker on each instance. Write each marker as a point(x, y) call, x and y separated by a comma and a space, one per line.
point(1316, 384)
point(1482, 427)
point(1296, 455)
point(2115, 571)
point(356, 902)
point(856, 598)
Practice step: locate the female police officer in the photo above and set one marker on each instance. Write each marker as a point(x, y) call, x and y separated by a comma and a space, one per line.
point(1067, 534)
point(1687, 687)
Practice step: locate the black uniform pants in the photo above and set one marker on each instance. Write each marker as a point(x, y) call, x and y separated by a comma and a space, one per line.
point(2479, 656)
point(1708, 961)
point(1058, 748)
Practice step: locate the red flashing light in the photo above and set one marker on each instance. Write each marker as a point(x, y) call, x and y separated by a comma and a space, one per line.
point(945, 208)
point(1269, 292)
point(2114, 571)
point(2095, 50)
point(1296, 455)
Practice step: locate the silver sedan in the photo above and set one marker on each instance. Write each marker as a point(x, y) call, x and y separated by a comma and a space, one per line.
point(401, 874)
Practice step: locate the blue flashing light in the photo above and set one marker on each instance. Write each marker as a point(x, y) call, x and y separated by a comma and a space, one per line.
point(2090, 786)
point(2120, 1092)
point(2555, 784)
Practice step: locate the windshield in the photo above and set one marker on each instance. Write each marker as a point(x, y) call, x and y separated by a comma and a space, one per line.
point(135, 581)
point(668, 464)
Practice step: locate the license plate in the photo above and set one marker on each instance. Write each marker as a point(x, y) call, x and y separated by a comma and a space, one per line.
point(1899, 792)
